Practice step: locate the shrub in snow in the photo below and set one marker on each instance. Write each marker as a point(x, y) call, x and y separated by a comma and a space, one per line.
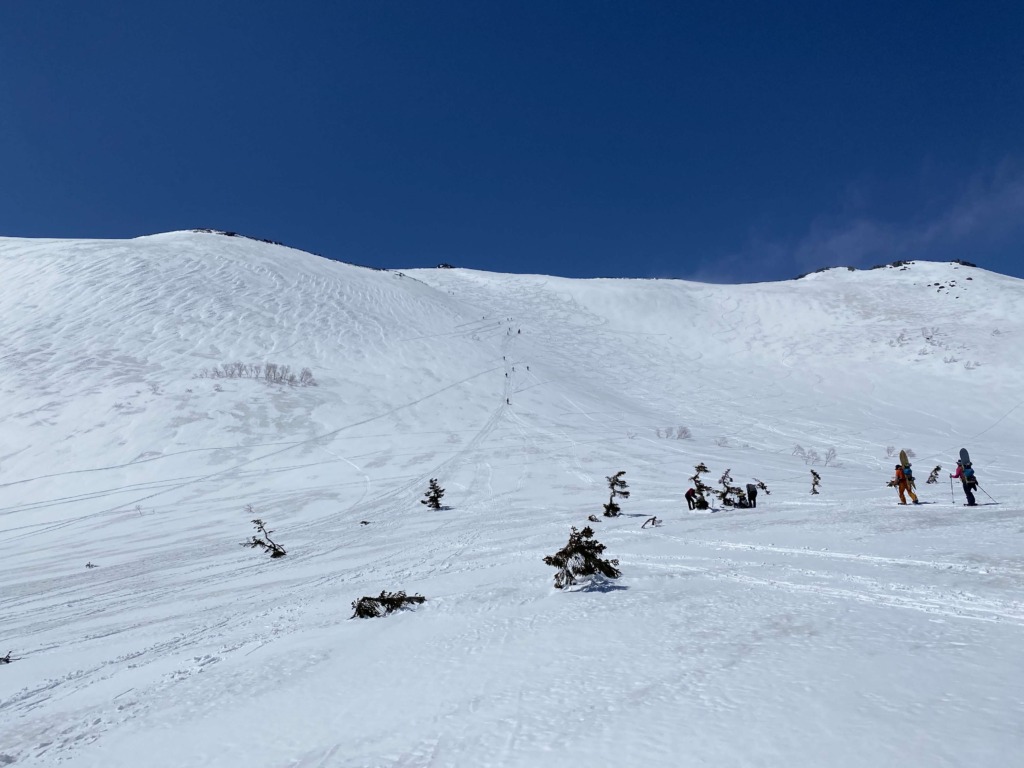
point(387, 602)
point(432, 498)
point(581, 558)
point(811, 456)
point(269, 372)
point(651, 521)
point(890, 451)
point(618, 487)
point(815, 482)
point(263, 540)
point(830, 456)
point(762, 486)
point(6, 659)
point(594, 519)
point(934, 476)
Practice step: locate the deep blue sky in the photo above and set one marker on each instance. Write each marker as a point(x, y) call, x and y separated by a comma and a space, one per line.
point(727, 141)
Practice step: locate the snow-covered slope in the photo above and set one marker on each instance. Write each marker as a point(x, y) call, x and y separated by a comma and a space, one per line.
point(837, 629)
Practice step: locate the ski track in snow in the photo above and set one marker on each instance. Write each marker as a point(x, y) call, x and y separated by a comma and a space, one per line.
point(812, 620)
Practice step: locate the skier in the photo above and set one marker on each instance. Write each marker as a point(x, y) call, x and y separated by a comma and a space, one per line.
point(752, 494)
point(691, 496)
point(903, 485)
point(968, 480)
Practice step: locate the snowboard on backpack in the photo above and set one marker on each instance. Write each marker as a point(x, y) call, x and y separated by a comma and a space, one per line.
point(970, 478)
point(905, 463)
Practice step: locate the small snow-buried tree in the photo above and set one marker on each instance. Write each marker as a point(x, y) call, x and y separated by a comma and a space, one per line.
point(815, 482)
point(581, 558)
point(618, 487)
point(433, 495)
point(934, 476)
point(762, 486)
point(387, 602)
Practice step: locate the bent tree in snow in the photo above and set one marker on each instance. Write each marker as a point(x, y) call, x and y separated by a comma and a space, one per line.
point(618, 487)
point(263, 541)
point(385, 603)
point(581, 558)
point(815, 482)
point(730, 495)
point(700, 486)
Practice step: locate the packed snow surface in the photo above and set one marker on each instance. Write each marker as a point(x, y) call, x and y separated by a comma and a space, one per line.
point(837, 629)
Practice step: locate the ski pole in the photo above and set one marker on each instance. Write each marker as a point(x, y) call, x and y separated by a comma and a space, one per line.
point(951, 499)
point(986, 493)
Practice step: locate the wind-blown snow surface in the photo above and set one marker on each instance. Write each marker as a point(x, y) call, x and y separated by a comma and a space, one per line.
point(838, 629)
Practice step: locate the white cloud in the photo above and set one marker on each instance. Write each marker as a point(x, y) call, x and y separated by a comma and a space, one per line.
point(989, 210)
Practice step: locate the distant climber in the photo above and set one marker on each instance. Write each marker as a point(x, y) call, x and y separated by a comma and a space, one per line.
point(691, 498)
point(752, 494)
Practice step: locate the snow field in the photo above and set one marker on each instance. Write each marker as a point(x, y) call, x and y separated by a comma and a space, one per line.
point(836, 629)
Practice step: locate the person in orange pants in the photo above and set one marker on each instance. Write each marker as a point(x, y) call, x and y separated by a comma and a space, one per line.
point(903, 485)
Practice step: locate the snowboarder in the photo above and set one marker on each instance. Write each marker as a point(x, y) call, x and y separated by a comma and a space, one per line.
point(903, 485)
point(691, 498)
point(752, 494)
point(968, 480)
